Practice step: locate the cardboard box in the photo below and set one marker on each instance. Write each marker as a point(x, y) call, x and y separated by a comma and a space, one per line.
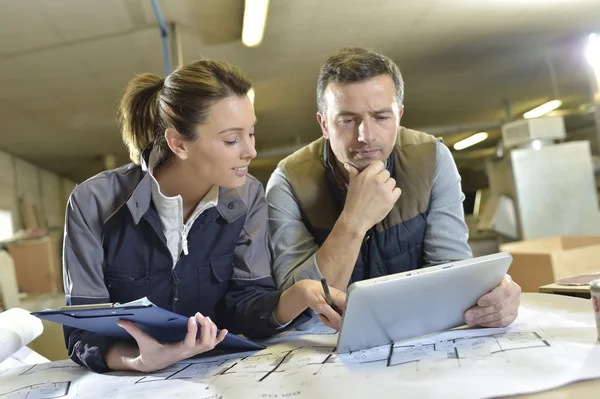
point(38, 265)
point(544, 261)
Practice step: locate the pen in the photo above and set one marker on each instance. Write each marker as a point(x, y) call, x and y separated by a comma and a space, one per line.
point(327, 294)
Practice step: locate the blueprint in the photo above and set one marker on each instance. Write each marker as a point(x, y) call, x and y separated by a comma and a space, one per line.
point(42, 391)
point(540, 351)
point(22, 357)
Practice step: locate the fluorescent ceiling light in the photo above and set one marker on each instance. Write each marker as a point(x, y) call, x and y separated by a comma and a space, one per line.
point(255, 18)
point(542, 109)
point(251, 95)
point(469, 141)
point(592, 52)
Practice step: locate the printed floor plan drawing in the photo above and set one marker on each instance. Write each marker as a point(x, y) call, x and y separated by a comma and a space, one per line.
point(42, 391)
point(539, 352)
point(463, 352)
point(256, 368)
point(322, 360)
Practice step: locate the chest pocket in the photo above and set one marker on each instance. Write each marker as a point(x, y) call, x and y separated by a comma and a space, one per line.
point(213, 280)
point(126, 285)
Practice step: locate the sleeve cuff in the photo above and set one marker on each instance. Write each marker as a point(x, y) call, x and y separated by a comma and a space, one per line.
point(301, 319)
point(275, 323)
point(309, 270)
point(89, 351)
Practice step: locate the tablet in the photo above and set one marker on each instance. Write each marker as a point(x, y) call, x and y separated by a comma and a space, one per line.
point(399, 306)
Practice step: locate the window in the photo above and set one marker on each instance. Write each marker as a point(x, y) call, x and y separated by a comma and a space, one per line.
point(6, 225)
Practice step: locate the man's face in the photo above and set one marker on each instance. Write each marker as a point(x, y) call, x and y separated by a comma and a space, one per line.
point(361, 120)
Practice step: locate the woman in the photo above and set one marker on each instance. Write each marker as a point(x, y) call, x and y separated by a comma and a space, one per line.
point(184, 225)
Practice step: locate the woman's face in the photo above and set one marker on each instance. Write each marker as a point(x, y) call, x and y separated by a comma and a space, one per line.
point(225, 144)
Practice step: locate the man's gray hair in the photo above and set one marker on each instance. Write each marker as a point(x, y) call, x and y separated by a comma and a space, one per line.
point(355, 64)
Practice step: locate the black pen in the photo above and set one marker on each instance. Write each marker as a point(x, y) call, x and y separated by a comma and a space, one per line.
point(327, 294)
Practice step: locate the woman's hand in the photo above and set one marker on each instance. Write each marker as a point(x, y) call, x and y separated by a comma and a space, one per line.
point(151, 355)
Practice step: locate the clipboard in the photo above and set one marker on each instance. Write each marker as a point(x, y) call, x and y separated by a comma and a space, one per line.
point(163, 325)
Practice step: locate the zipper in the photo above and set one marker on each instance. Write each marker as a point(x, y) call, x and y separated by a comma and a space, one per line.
point(184, 233)
point(175, 289)
point(184, 241)
point(367, 254)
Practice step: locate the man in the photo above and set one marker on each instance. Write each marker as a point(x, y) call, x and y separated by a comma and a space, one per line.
point(371, 197)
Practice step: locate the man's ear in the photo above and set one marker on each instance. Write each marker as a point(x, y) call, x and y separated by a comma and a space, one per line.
point(176, 143)
point(400, 113)
point(323, 124)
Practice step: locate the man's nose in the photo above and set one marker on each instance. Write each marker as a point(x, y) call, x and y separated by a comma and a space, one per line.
point(365, 134)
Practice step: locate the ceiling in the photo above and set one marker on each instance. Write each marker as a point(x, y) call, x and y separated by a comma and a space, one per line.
point(64, 65)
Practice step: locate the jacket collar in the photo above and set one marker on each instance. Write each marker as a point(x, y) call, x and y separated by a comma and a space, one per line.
point(230, 205)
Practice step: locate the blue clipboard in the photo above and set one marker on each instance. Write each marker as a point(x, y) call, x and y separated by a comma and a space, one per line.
point(161, 324)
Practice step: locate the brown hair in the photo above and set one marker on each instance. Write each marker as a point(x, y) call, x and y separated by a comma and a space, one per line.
point(354, 64)
point(151, 105)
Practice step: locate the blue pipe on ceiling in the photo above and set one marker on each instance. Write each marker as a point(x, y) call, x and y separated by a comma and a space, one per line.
point(163, 34)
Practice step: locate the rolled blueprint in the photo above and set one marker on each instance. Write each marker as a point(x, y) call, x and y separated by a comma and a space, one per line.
point(17, 329)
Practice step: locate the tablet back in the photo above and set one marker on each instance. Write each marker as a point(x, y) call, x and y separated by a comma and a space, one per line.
point(391, 308)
